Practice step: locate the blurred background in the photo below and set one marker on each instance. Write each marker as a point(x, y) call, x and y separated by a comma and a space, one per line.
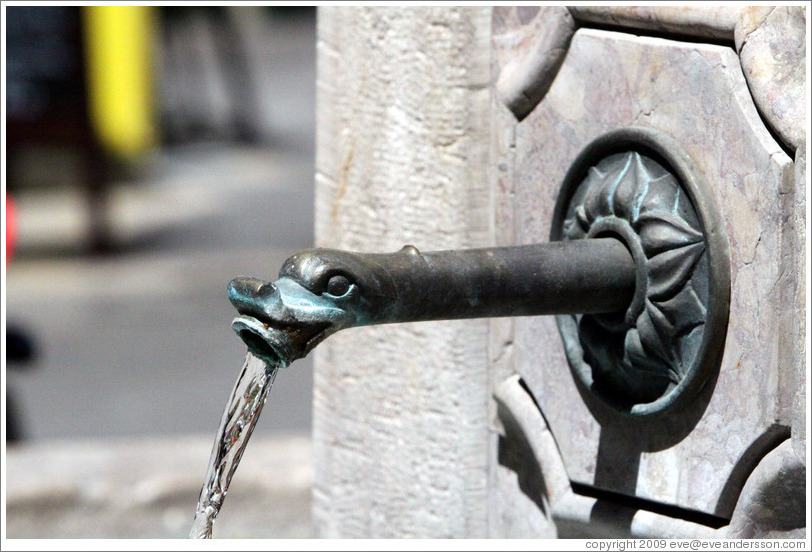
point(151, 155)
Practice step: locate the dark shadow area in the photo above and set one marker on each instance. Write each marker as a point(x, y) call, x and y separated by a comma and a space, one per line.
point(608, 499)
point(516, 455)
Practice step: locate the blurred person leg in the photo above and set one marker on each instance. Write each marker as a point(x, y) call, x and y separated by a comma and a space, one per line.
point(19, 354)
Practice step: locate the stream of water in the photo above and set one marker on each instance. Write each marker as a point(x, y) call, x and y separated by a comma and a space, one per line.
point(239, 418)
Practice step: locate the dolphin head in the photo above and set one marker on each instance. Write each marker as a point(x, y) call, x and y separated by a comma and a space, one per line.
point(319, 292)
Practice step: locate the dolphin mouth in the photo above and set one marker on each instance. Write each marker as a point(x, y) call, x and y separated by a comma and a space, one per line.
point(278, 343)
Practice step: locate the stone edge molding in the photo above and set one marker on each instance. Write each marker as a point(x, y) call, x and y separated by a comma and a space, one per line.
point(770, 42)
point(778, 477)
point(521, 422)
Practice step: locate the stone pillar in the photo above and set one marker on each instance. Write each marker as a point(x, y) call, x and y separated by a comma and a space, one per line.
point(400, 412)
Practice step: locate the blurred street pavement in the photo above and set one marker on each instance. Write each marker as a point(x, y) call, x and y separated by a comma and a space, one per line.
point(134, 355)
point(139, 341)
point(126, 490)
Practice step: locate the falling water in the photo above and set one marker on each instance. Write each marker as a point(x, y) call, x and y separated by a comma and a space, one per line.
point(239, 418)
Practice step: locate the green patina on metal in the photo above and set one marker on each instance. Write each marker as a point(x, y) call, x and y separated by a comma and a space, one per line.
point(322, 291)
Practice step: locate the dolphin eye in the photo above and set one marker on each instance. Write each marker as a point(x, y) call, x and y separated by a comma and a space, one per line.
point(338, 285)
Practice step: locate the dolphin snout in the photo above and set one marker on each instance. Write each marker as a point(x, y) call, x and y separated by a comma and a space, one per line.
point(248, 295)
point(281, 321)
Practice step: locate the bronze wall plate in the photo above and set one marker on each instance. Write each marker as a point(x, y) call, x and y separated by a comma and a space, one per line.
point(639, 186)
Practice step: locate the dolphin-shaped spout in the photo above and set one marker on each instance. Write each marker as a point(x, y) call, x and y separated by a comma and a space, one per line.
point(322, 291)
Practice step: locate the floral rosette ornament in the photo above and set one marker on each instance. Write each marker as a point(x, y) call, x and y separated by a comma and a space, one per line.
point(640, 355)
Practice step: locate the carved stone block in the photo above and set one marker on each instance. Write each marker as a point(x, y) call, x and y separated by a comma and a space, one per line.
point(698, 457)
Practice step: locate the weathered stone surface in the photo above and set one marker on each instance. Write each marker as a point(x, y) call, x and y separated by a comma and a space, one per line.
point(401, 412)
point(748, 19)
point(796, 331)
point(696, 94)
point(771, 42)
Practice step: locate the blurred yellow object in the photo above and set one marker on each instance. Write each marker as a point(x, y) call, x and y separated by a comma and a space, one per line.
point(120, 77)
